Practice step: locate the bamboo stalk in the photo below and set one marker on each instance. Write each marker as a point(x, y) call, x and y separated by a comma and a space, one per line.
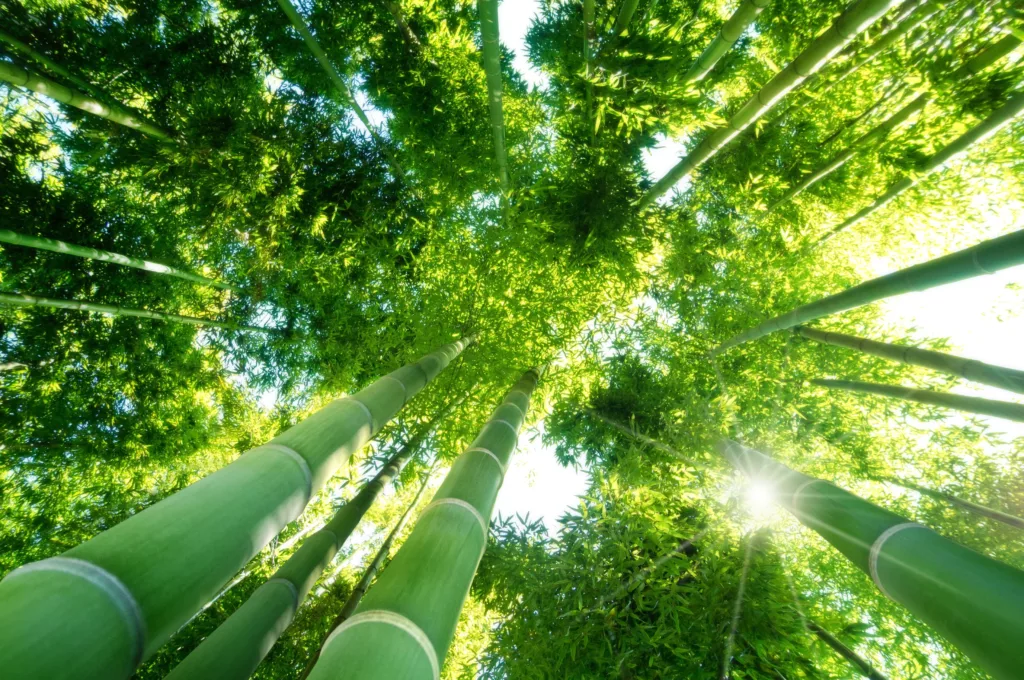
point(975, 602)
point(860, 663)
point(405, 623)
point(53, 245)
point(983, 511)
point(626, 12)
point(850, 23)
point(239, 644)
point(987, 407)
point(117, 598)
point(987, 257)
point(969, 369)
point(22, 300)
point(408, 35)
point(727, 36)
point(80, 100)
point(589, 35)
point(47, 63)
point(488, 10)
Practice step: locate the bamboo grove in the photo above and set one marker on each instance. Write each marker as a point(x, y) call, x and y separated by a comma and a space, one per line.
point(557, 339)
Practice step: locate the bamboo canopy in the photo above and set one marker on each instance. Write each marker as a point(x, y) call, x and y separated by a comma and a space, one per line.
point(860, 663)
point(53, 245)
point(987, 407)
point(845, 28)
point(987, 257)
point(23, 300)
point(977, 603)
point(981, 510)
point(405, 623)
point(239, 644)
point(969, 369)
point(47, 63)
point(114, 600)
point(80, 100)
point(492, 70)
point(727, 36)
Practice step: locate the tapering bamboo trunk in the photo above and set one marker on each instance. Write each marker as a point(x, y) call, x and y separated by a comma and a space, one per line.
point(22, 300)
point(995, 122)
point(983, 511)
point(53, 245)
point(986, 407)
point(47, 63)
point(850, 23)
point(239, 644)
point(408, 35)
point(973, 601)
point(405, 623)
point(727, 36)
point(860, 663)
point(80, 100)
point(589, 35)
point(987, 257)
point(488, 10)
point(969, 369)
point(626, 12)
point(112, 601)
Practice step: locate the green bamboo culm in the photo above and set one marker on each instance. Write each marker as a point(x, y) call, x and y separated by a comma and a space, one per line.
point(975, 602)
point(986, 407)
point(405, 623)
point(53, 67)
point(625, 16)
point(727, 36)
point(239, 644)
point(977, 509)
point(589, 36)
point(488, 10)
point(860, 15)
point(856, 660)
point(40, 84)
point(53, 245)
point(987, 257)
point(969, 369)
point(995, 122)
point(22, 300)
point(117, 598)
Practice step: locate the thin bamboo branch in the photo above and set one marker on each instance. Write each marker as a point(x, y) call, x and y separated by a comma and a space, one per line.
point(987, 407)
point(983, 511)
point(860, 663)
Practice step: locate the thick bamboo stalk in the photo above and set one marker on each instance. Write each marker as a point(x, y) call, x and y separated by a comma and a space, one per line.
point(973, 601)
point(47, 63)
point(969, 369)
point(488, 10)
point(860, 663)
point(727, 36)
point(995, 122)
point(986, 407)
point(405, 623)
point(22, 300)
point(239, 644)
point(850, 23)
point(981, 510)
point(987, 257)
point(117, 598)
point(53, 245)
point(80, 100)
point(626, 12)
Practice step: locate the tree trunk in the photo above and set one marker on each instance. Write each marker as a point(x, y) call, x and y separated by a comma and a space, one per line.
point(859, 662)
point(730, 32)
point(403, 26)
point(41, 243)
point(1005, 518)
point(969, 369)
point(853, 21)
point(975, 602)
point(488, 10)
point(21, 300)
point(117, 598)
point(987, 257)
point(405, 623)
point(987, 407)
point(80, 100)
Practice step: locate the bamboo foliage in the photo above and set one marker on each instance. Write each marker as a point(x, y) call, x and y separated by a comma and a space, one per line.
point(972, 600)
point(987, 407)
point(977, 509)
point(238, 645)
point(47, 63)
point(856, 660)
point(117, 598)
point(845, 28)
point(727, 36)
point(488, 10)
point(987, 257)
point(53, 245)
point(589, 35)
point(405, 623)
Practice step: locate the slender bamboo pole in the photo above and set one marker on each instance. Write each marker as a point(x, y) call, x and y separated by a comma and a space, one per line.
point(405, 623)
point(22, 300)
point(408, 35)
point(969, 369)
point(987, 407)
point(860, 663)
point(626, 12)
point(53, 245)
point(488, 10)
point(850, 23)
point(237, 647)
point(589, 35)
point(117, 598)
point(983, 511)
point(973, 601)
point(995, 122)
point(80, 100)
point(47, 63)
point(727, 36)
point(987, 257)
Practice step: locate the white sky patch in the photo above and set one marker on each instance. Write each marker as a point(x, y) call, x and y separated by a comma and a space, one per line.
point(514, 17)
point(663, 158)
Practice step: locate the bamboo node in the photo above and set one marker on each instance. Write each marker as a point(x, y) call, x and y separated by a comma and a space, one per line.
point(398, 621)
point(405, 390)
point(459, 503)
point(800, 489)
point(480, 449)
point(307, 473)
point(366, 412)
point(515, 430)
point(291, 588)
point(876, 551)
